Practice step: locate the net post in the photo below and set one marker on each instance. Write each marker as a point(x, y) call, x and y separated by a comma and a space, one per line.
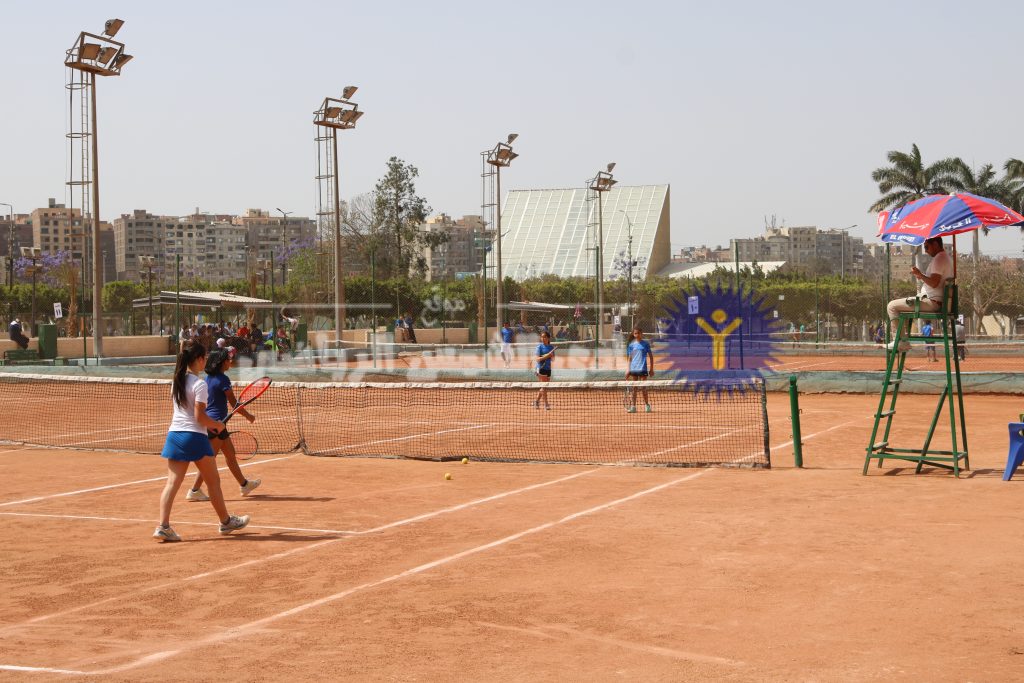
point(794, 415)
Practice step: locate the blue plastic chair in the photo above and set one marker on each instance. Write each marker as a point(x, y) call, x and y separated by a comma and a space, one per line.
point(1016, 454)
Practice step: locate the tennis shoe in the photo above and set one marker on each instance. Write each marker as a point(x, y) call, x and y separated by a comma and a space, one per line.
point(234, 523)
point(547, 407)
point(250, 486)
point(648, 409)
point(536, 404)
point(196, 494)
point(903, 347)
point(631, 409)
point(166, 535)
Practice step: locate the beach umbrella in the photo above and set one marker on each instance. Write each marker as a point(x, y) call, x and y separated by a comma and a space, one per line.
point(943, 214)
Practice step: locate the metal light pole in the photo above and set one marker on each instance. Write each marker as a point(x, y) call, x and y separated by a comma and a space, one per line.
point(147, 262)
point(10, 247)
point(105, 57)
point(177, 294)
point(499, 157)
point(81, 297)
point(338, 114)
point(842, 250)
point(600, 184)
point(629, 268)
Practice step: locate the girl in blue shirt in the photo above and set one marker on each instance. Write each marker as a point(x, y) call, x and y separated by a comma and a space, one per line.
point(220, 395)
point(545, 352)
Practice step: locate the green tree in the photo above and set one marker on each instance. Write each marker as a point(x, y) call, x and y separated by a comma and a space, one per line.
point(399, 212)
point(907, 179)
point(984, 183)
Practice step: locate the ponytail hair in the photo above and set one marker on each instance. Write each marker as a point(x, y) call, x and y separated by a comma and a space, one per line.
point(191, 351)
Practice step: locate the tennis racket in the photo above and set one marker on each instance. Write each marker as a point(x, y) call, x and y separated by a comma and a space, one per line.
point(245, 445)
point(248, 395)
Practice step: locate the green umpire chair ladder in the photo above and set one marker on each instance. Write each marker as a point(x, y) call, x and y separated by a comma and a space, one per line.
point(951, 397)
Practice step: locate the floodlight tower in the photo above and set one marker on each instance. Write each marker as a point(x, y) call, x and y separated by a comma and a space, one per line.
point(334, 115)
point(92, 56)
point(600, 184)
point(499, 157)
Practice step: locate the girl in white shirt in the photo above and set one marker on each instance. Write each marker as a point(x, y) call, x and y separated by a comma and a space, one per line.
point(187, 441)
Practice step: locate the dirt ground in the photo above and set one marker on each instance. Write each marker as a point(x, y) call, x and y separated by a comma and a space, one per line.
point(370, 569)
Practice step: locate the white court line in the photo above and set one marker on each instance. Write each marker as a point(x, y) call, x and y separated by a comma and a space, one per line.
point(294, 551)
point(20, 450)
point(823, 431)
point(333, 532)
point(129, 483)
point(244, 629)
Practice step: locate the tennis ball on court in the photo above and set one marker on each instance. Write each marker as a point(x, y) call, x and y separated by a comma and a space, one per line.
point(465, 461)
point(447, 475)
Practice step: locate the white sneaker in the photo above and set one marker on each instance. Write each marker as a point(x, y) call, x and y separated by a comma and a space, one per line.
point(196, 494)
point(250, 486)
point(166, 535)
point(234, 523)
point(903, 347)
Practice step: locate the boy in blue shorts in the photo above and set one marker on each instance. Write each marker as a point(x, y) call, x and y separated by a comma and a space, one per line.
point(638, 352)
point(545, 351)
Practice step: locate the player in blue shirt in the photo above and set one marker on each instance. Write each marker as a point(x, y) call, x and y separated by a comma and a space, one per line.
point(507, 337)
point(638, 352)
point(220, 395)
point(545, 352)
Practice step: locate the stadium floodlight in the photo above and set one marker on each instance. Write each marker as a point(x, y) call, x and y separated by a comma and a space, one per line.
point(335, 114)
point(350, 116)
point(102, 58)
point(112, 26)
point(89, 51)
point(501, 156)
point(106, 54)
point(600, 184)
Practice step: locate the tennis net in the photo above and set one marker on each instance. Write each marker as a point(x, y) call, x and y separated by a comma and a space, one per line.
point(588, 422)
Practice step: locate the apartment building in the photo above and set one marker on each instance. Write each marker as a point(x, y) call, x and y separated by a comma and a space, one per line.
point(57, 228)
point(462, 253)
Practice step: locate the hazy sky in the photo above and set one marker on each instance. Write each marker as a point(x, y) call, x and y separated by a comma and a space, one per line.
point(747, 109)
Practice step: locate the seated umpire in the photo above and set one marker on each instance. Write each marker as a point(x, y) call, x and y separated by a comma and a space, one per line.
point(939, 270)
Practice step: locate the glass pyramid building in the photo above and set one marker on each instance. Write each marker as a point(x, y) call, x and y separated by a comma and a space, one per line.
point(555, 231)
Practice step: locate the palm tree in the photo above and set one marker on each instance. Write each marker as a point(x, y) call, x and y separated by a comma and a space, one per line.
point(1015, 184)
point(908, 179)
point(984, 183)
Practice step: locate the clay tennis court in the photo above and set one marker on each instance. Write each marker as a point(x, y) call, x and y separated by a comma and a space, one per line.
point(380, 569)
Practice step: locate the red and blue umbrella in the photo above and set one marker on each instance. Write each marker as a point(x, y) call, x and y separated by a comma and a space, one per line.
point(943, 214)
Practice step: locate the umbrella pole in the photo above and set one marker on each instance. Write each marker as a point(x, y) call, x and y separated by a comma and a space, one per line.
point(954, 257)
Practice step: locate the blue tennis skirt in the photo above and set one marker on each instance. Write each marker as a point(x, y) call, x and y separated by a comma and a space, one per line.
point(186, 446)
